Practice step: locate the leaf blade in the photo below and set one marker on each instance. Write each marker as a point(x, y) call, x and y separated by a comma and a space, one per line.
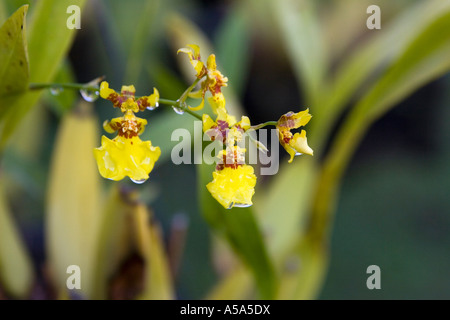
point(14, 73)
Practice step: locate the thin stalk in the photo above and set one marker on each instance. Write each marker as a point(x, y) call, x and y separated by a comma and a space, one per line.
point(76, 86)
point(180, 105)
point(262, 125)
point(188, 90)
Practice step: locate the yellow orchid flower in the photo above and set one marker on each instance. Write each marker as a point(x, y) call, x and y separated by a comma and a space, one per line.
point(213, 82)
point(193, 52)
point(233, 182)
point(126, 154)
point(233, 187)
point(122, 157)
point(127, 95)
point(296, 144)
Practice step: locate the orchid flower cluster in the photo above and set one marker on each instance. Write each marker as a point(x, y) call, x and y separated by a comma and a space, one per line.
point(233, 181)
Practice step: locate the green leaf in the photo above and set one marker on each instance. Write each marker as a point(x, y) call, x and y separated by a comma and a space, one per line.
point(284, 208)
point(233, 47)
point(235, 286)
point(16, 272)
point(3, 14)
point(303, 42)
point(143, 34)
point(14, 73)
point(49, 39)
point(158, 283)
point(240, 228)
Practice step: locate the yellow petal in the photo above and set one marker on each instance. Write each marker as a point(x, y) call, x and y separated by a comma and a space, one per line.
point(233, 187)
point(293, 120)
point(291, 152)
point(208, 123)
point(148, 102)
point(244, 123)
point(211, 63)
point(193, 51)
point(113, 125)
point(105, 91)
point(301, 118)
point(199, 107)
point(126, 157)
point(198, 67)
point(223, 115)
point(217, 101)
point(130, 105)
point(128, 90)
point(300, 143)
point(196, 94)
point(188, 51)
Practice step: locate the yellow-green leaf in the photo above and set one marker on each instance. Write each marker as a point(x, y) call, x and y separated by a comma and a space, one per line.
point(74, 199)
point(16, 272)
point(14, 73)
point(158, 282)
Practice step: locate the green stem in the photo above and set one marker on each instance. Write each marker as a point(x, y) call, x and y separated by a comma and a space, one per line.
point(180, 105)
point(77, 86)
point(262, 125)
point(188, 90)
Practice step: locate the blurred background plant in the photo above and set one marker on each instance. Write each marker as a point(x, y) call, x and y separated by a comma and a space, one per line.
point(375, 191)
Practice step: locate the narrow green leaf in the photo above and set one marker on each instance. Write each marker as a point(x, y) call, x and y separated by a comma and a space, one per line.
point(143, 32)
point(14, 73)
point(16, 272)
point(3, 14)
point(303, 42)
point(285, 203)
point(233, 47)
point(241, 230)
point(158, 283)
point(304, 270)
point(236, 286)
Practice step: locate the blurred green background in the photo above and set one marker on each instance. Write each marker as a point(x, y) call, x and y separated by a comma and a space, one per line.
point(393, 207)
